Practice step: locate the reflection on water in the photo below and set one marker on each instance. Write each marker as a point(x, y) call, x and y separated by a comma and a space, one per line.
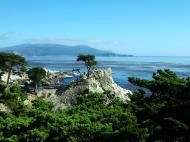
point(123, 67)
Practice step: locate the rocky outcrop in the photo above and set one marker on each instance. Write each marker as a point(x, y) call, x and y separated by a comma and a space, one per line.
point(100, 81)
point(3, 107)
point(51, 95)
point(30, 98)
point(51, 78)
point(15, 78)
point(58, 75)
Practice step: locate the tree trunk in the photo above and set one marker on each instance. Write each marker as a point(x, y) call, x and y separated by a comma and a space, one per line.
point(88, 73)
point(36, 87)
point(9, 74)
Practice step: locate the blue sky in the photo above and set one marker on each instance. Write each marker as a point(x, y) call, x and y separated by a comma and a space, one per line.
point(138, 27)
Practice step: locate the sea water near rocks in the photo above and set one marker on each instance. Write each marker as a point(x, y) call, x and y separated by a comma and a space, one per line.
point(122, 67)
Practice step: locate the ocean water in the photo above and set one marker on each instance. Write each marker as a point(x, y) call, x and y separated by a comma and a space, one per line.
point(122, 67)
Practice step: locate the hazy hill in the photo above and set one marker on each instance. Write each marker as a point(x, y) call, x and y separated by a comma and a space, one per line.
point(56, 49)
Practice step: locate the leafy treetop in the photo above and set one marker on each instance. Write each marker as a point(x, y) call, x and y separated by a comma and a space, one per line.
point(12, 62)
point(36, 74)
point(89, 60)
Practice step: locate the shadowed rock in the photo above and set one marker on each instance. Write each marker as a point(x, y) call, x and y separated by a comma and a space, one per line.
point(100, 81)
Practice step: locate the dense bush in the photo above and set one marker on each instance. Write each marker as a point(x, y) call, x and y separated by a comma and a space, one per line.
point(89, 120)
point(166, 113)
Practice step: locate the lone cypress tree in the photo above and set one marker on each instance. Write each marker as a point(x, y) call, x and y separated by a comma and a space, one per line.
point(89, 60)
point(36, 74)
point(11, 62)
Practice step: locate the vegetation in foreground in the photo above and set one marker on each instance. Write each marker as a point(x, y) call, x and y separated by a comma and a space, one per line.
point(163, 116)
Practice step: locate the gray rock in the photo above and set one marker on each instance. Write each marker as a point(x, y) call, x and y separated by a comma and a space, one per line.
point(4, 108)
point(100, 81)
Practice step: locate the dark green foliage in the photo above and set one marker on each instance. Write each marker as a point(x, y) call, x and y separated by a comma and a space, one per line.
point(13, 98)
point(11, 62)
point(36, 74)
point(89, 120)
point(166, 113)
point(89, 60)
point(42, 104)
point(101, 122)
point(2, 87)
point(165, 82)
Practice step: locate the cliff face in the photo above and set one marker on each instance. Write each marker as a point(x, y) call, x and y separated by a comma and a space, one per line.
point(100, 81)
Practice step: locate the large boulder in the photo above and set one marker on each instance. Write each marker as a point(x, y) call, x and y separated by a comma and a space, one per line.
point(100, 81)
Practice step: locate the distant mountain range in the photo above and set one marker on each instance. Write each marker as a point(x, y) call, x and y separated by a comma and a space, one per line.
point(56, 49)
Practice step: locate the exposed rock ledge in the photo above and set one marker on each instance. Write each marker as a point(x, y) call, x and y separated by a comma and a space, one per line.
point(100, 81)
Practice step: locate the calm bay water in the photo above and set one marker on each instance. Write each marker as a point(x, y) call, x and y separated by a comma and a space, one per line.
point(123, 67)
